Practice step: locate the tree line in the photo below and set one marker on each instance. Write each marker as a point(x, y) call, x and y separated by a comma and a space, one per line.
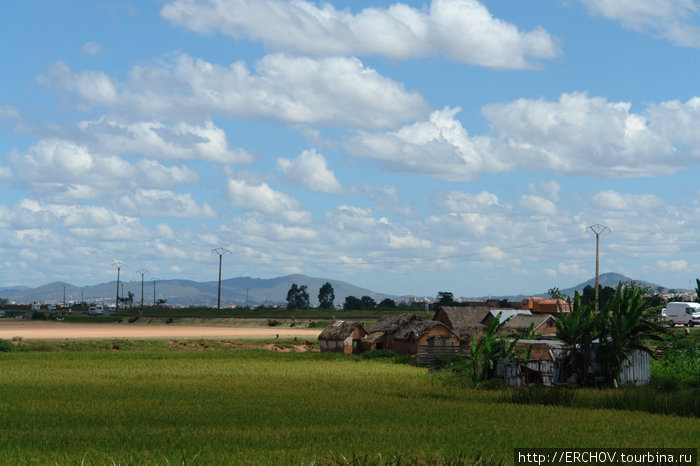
point(298, 298)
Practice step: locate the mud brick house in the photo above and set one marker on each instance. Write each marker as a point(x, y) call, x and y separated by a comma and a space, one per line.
point(405, 333)
point(342, 337)
point(464, 321)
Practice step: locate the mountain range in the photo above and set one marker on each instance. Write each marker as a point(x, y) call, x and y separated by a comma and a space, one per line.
point(236, 291)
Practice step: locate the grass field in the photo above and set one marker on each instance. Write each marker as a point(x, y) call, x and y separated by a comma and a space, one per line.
point(149, 404)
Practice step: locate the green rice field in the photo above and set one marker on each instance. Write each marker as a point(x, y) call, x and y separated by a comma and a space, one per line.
point(153, 405)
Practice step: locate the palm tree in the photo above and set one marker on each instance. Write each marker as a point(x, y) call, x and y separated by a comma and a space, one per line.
point(624, 326)
point(577, 330)
point(487, 350)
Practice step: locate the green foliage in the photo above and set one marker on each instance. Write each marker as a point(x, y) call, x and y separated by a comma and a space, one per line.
point(6, 346)
point(273, 323)
point(326, 296)
point(555, 293)
point(624, 326)
point(492, 347)
point(297, 297)
point(578, 330)
point(3, 301)
point(697, 290)
point(606, 293)
point(379, 353)
point(678, 369)
point(445, 298)
point(37, 315)
point(352, 303)
point(368, 302)
point(92, 319)
point(621, 327)
point(387, 304)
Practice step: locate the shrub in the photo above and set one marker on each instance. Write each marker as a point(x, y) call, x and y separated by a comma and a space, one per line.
point(36, 315)
point(133, 319)
point(273, 323)
point(405, 359)
point(170, 320)
point(379, 353)
point(6, 346)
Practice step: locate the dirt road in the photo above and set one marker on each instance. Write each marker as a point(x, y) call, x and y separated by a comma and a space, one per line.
point(62, 330)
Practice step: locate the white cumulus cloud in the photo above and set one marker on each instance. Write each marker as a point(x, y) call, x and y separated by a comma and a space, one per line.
point(674, 20)
point(439, 148)
point(310, 169)
point(154, 139)
point(462, 30)
point(262, 198)
point(321, 91)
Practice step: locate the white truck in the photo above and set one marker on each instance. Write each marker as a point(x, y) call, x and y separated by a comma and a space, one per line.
point(96, 310)
point(682, 313)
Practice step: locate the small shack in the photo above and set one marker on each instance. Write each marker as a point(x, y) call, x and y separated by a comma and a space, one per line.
point(547, 366)
point(422, 334)
point(342, 337)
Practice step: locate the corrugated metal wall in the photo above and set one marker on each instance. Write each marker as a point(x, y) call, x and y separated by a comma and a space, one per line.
point(636, 368)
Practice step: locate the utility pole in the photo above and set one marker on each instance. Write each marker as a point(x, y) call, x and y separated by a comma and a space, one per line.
point(142, 271)
point(118, 265)
point(154, 291)
point(220, 252)
point(597, 229)
point(246, 297)
point(64, 296)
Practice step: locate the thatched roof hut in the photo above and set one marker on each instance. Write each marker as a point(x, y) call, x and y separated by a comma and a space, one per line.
point(392, 324)
point(341, 336)
point(465, 321)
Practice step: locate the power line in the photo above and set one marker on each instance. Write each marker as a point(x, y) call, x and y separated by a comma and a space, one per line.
point(440, 258)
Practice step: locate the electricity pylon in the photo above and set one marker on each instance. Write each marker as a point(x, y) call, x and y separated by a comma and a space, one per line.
point(118, 265)
point(597, 229)
point(220, 252)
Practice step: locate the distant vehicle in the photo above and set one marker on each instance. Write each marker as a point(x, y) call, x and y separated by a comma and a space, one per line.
point(96, 310)
point(36, 305)
point(683, 313)
point(51, 307)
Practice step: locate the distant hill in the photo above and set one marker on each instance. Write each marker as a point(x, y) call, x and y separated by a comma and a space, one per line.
point(272, 291)
point(612, 279)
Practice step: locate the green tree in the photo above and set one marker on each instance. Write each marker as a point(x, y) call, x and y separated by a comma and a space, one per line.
point(624, 326)
point(352, 303)
point(555, 293)
point(605, 294)
point(445, 298)
point(487, 350)
point(297, 297)
point(3, 301)
point(697, 290)
point(326, 295)
point(368, 303)
point(577, 330)
point(387, 304)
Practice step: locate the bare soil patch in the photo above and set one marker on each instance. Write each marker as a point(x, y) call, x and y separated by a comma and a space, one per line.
point(61, 330)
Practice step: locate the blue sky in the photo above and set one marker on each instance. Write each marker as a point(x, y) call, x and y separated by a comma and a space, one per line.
point(410, 147)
